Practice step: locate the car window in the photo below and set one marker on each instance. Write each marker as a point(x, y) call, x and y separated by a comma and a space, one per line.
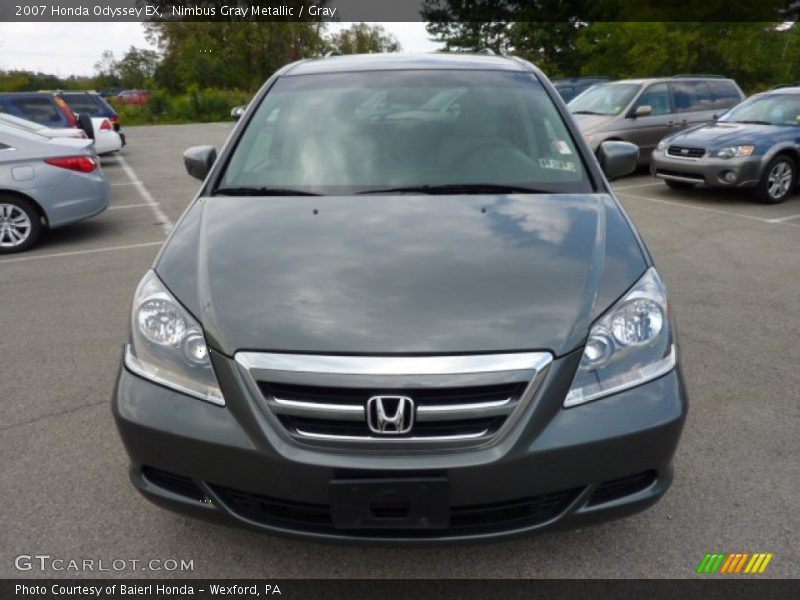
point(605, 98)
point(350, 132)
point(40, 109)
point(773, 109)
point(567, 92)
point(84, 103)
point(692, 96)
point(657, 98)
point(725, 94)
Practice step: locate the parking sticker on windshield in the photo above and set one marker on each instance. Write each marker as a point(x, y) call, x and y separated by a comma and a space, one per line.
point(558, 165)
point(562, 147)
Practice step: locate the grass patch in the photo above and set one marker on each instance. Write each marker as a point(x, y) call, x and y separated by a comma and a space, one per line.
point(195, 106)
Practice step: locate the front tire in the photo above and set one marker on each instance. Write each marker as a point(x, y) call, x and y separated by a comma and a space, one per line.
point(679, 185)
point(778, 180)
point(20, 225)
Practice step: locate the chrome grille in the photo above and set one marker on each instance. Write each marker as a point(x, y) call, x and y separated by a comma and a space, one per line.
point(685, 152)
point(464, 412)
point(458, 400)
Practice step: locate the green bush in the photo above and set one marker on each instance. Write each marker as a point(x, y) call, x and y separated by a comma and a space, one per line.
point(194, 106)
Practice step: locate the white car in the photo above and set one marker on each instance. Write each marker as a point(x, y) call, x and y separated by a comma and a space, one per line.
point(106, 140)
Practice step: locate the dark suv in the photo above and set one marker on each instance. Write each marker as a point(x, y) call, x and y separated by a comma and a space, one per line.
point(94, 105)
point(45, 108)
point(570, 87)
point(405, 306)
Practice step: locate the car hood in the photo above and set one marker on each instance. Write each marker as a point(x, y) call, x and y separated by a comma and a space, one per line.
point(721, 134)
point(400, 274)
point(592, 123)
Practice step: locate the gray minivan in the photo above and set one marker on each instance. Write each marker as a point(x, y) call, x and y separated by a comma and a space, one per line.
point(643, 111)
point(404, 307)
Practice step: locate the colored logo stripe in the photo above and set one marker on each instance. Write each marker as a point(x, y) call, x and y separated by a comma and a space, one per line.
point(722, 562)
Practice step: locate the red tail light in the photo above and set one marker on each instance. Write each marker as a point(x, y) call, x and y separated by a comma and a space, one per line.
point(115, 119)
point(105, 125)
point(82, 164)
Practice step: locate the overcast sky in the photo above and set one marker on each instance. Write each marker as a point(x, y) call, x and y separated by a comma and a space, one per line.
point(73, 48)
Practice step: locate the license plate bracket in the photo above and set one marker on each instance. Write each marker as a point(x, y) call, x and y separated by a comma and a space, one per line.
point(413, 503)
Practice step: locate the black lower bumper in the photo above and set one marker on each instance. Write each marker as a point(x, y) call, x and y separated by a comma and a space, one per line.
point(600, 461)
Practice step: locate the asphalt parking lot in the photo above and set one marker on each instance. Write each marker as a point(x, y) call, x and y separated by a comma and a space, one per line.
point(733, 271)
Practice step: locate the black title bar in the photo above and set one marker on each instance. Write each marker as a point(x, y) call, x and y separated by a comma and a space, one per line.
point(397, 10)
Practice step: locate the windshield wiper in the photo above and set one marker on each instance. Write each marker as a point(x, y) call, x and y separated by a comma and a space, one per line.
point(262, 191)
point(588, 112)
point(458, 188)
point(751, 122)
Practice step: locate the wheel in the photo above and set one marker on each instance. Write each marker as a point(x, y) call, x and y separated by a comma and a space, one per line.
point(19, 225)
point(778, 180)
point(679, 185)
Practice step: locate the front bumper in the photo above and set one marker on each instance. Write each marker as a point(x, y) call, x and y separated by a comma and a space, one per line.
point(562, 468)
point(707, 170)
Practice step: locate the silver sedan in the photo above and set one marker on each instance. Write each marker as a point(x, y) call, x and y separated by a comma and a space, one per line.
point(45, 183)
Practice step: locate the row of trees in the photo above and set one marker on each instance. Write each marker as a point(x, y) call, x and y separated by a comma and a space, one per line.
point(240, 55)
point(235, 55)
point(756, 54)
point(220, 55)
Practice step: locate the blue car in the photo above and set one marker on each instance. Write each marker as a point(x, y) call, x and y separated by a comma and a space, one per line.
point(754, 145)
point(45, 108)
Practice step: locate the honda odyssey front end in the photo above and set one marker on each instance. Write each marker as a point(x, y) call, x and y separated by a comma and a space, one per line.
point(404, 307)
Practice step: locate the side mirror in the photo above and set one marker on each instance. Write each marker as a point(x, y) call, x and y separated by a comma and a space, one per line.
point(642, 110)
point(618, 158)
point(199, 160)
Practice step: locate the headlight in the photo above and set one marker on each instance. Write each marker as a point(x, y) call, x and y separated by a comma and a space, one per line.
point(661, 145)
point(167, 344)
point(734, 151)
point(629, 345)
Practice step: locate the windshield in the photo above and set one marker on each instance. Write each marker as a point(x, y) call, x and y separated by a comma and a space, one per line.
point(403, 131)
point(604, 99)
point(771, 109)
point(85, 103)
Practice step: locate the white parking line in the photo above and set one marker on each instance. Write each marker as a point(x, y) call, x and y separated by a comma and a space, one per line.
point(122, 183)
point(638, 185)
point(141, 204)
point(166, 224)
point(77, 252)
point(707, 209)
point(784, 219)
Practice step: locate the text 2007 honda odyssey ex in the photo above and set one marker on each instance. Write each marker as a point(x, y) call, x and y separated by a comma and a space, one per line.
point(406, 307)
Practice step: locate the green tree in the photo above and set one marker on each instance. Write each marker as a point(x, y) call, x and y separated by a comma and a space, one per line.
point(137, 67)
point(106, 73)
point(361, 38)
point(229, 54)
point(756, 54)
